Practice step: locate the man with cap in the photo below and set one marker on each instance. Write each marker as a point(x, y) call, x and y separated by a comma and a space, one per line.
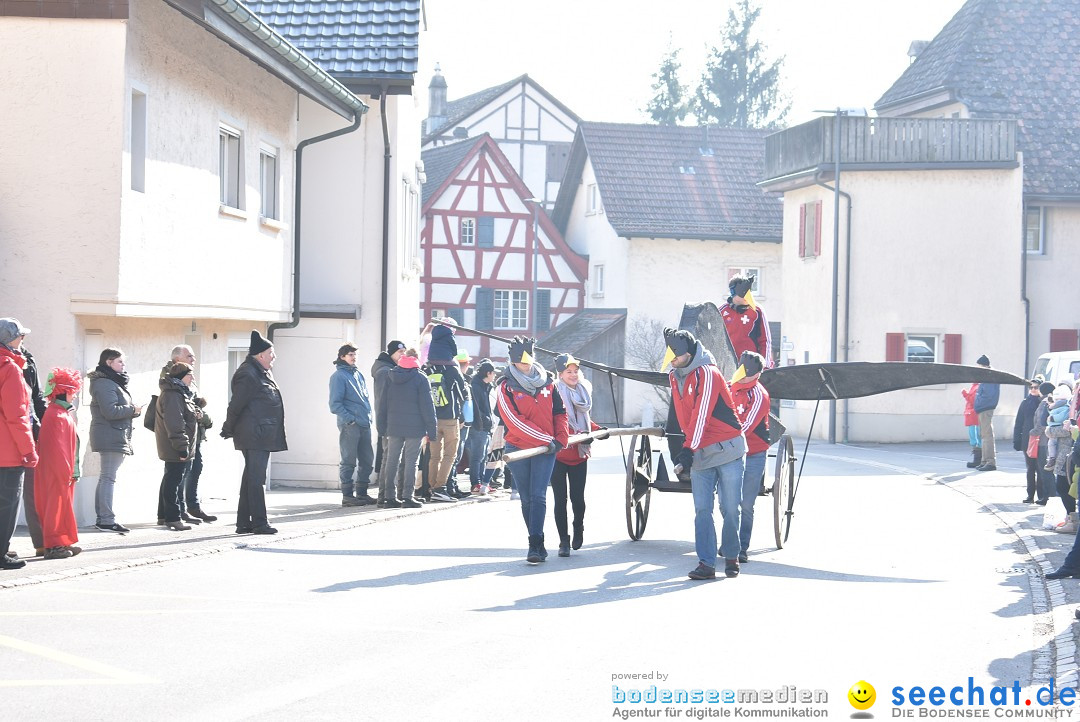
point(745, 321)
point(706, 412)
point(986, 400)
point(384, 363)
point(255, 421)
point(532, 410)
point(448, 394)
point(17, 448)
point(752, 407)
point(349, 403)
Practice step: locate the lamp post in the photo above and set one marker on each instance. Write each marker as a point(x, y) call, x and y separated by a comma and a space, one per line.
point(533, 309)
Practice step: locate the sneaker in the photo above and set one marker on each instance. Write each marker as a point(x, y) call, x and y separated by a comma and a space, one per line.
point(265, 529)
point(484, 490)
point(494, 485)
point(411, 504)
point(986, 467)
point(393, 504)
point(731, 568)
point(459, 494)
point(476, 489)
point(352, 501)
point(119, 528)
point(743, 558)
point(438, 495)
point(9, 564)
point(188, 519)
point(703, 571)
point(58, 553)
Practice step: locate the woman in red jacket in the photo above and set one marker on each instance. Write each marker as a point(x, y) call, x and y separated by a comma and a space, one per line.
point(532, 411)
point(971, 421)
point(17, 449)
point(58, 469)
point(572, 463)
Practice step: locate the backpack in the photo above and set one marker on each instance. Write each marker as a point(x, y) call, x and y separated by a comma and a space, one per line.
point(438, 392)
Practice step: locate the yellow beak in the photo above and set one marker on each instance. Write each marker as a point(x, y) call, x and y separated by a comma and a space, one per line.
point(740, 373)
point(669, 356)
point(526, 358)
point(750, 300)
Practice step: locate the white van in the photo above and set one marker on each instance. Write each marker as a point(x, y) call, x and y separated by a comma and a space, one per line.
point(1058, 366)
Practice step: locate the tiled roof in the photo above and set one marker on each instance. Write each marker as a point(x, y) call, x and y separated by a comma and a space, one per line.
point(1011, 59)
point(675, 182)
point(578, 331)
point(440, 162)
point(363, 39)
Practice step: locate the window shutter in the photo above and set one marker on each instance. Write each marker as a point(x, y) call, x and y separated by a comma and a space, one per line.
point(817, 228)
point(894, 347)
point(485, 308)
point(952, 348)
point(458, 314)
point(802, 231)
point(485, 232)
point(543, 310)
point(1064, 339)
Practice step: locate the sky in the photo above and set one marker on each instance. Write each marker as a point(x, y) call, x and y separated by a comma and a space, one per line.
point(598, 56)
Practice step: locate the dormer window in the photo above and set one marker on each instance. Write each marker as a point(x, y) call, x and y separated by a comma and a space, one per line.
point(686, 169)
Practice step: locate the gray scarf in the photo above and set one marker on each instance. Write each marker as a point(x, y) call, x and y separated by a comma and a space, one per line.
point(530, 383)
point(578, 403)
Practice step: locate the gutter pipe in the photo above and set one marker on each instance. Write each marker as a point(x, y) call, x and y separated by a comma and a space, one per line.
point(847, 292)
point(384, 310)
point(1023, 291)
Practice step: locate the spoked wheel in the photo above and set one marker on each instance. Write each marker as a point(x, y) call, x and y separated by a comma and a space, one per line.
point(783, 491)
point(639, 477)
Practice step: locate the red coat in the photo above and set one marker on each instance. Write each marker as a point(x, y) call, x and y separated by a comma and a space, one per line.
point(532, 421)
point(16, 435)
point(54, 479)
point(752, 408)
point(704, 407)
point(970, 417)
point(748, 331)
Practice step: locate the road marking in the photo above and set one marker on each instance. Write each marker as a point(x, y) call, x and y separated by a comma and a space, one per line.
point(109, 674)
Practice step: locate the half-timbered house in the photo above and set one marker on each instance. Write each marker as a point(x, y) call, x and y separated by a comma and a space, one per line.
point(492, 258)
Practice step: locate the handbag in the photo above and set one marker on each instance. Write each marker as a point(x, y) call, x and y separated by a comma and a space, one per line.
point(150, 413)
point(1033, 445)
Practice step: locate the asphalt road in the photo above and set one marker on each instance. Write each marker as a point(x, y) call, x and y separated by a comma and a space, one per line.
point(889, 577)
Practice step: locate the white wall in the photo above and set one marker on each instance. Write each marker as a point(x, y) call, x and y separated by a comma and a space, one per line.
point(1052, 306)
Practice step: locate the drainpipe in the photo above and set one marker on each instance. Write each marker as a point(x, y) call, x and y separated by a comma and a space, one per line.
point(357, 116)
point(847, 291)
point(1023, 291)
point(385, 218)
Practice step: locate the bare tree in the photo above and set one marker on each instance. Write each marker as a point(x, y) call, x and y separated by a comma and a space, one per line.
point(645, 351)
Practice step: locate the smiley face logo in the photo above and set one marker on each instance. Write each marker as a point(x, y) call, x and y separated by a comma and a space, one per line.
point(862, 695)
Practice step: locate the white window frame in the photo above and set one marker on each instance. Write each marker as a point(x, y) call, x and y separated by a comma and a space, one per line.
point(755, 271)
point(1039, 248)
point(514, 312)
point(598, 280)
point(231, 167)
point(410, 224)
point(467, 232)
point(592, 199)
point(269, 188)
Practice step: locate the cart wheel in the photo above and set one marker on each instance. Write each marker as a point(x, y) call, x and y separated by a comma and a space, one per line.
point(639, 478)
point(783, 491)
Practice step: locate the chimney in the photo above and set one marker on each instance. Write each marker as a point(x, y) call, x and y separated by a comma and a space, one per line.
point(436, 101)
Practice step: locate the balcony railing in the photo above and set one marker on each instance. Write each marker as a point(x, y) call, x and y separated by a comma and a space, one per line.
point(878, 142)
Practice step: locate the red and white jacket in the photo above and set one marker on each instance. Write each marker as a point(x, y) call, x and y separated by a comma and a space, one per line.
point(532, 421)
point(752, 408)
point(16, 436)
point(704, 407)
point(748, 331)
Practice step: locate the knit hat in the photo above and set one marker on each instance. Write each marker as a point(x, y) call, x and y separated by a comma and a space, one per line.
point(678, 342)
point(62, 381)
point(983, 361)
point(258, 344)
point(1046, 388)
point(394, 346)
point(408, 362)
point(522, 349)
point(11, 329)
point(565, 359)
point(179, 370)
point(751, 363)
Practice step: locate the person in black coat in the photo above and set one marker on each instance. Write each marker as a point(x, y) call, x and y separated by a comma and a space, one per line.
point(1025, 421)
point(37, 400)
point(480, 435)
point(407, 415)
point(255, 421)
point(384, 363)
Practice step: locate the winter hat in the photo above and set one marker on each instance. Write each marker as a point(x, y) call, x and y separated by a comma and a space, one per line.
point(1046, 388)
point(62, 381)
point(179, 370)
point(443, 347)
point(565, 359)
point(11, 329)
point(522, 349)
point(751, 363)
point(983, 361)
point(408, 362)
point(394, 346)
point(258, 344)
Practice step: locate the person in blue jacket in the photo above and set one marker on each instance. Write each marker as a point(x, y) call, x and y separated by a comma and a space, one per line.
point(986, 400)
point(349, 402)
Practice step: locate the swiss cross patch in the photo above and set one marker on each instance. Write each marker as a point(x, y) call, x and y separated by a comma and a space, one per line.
point(545, 393)
point(689, 388)
point(745, 319)
point(741, 409)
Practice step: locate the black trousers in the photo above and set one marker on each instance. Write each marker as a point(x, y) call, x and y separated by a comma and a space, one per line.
point(251, 509)
point(572, 476)
point(33, 524)
point(1032, 477)
point(11, 478)
point(169, 505)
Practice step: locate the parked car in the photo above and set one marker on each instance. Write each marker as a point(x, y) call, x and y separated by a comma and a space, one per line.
point(1058, 366)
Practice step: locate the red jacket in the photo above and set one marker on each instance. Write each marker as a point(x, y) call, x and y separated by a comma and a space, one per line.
point(16, 437)
point(970, 417)
point(752, 408)
point(532, 421)
point(705, 408)
point(570, 455)
point(748, 331)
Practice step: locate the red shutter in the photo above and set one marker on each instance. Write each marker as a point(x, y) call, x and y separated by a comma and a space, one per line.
point(952, 348)
point(802, 231)
point(817, 229)
point(1064, 339)
point(894, 347)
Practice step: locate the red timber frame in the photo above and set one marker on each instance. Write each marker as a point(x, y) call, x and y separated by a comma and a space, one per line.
point(470, 188)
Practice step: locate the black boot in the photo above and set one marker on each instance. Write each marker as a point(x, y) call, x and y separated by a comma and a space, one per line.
point(534, 550)
point(579, 527)
point(564, 545)
point(543, 551)
point(198, 513)
point(976, 457)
